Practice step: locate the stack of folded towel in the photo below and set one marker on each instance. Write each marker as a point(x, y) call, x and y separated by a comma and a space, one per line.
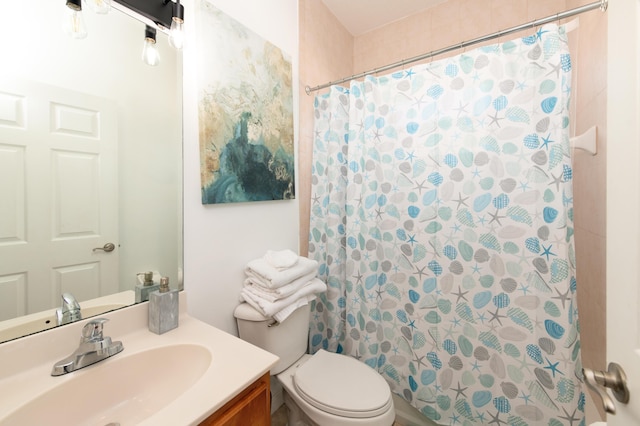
point(280, 282)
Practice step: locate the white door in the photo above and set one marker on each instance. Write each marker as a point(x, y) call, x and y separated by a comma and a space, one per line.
point(623, 203)
point(58, 196)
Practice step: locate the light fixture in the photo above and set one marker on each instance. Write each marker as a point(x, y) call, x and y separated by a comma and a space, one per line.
point(159, 14)
point(99, 6)
point(73, 23)
point(150, 55)
point(176, 32)
point(154, 13)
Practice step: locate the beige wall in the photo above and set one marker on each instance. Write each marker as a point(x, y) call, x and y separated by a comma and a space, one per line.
point(328, 52)
point(590, 62)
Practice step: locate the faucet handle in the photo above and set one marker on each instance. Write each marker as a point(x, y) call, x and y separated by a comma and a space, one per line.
point(69, 302)
point(93, 330)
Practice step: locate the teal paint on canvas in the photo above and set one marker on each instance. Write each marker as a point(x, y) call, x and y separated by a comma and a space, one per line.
point(245, 108)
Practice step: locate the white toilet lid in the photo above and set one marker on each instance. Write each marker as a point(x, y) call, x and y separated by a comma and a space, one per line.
point(341, 385)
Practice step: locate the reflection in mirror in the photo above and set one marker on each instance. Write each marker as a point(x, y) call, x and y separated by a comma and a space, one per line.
point(90, 155)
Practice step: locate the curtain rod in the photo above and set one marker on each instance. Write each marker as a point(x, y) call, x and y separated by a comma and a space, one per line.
point(601, 4)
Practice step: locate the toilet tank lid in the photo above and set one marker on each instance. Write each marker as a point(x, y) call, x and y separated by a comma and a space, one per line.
point(245, 311)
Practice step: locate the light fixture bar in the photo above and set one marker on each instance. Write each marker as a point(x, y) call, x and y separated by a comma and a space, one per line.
point(146, 21)
point(156, 13)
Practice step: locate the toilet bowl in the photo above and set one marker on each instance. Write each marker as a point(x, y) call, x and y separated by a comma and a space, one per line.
point(333, 389)
point(321, 389)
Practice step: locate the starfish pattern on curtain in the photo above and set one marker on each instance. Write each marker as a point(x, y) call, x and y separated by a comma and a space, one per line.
point(442, 220)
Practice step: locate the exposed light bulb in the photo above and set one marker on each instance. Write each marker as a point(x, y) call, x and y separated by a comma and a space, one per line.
point(73, 22)
point(176, 33)
point(99, 6)
point(150, 54)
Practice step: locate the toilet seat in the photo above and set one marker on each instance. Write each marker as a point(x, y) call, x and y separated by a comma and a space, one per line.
point(343, 386)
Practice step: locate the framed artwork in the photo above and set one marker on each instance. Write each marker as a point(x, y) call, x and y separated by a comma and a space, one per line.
point(245, 112)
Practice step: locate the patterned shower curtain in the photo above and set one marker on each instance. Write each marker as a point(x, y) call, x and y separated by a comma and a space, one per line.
point(442, 219)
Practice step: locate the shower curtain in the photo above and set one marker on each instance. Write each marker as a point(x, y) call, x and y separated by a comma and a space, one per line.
point(441, 216)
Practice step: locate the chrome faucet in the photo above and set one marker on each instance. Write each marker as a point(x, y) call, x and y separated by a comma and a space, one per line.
point(94, 347)
point(69, 311)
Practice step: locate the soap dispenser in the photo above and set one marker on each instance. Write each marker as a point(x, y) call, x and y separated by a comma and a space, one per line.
point(163, 308)
point(144, 288)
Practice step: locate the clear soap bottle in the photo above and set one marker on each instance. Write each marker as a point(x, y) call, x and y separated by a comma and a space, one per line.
point(163, 308)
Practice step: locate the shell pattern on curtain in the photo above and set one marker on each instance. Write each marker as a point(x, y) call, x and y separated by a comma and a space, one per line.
point(442, 219)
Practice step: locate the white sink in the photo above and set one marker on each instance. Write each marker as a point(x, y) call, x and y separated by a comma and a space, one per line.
point(177, 378)
point(124, 391)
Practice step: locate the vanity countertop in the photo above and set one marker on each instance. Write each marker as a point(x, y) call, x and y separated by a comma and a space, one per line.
point(235, 364)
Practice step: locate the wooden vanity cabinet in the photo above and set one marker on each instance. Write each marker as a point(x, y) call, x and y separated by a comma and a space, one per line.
point(251, 407)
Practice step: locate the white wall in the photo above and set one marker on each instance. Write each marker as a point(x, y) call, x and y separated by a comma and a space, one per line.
point(220, 239)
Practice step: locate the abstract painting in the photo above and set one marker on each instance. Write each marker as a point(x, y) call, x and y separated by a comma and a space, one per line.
point(245, 108)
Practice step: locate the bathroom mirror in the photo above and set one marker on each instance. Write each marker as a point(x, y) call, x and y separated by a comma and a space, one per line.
point(90, 158)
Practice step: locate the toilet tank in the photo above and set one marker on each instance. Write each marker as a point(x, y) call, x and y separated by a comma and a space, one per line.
point(288, 340)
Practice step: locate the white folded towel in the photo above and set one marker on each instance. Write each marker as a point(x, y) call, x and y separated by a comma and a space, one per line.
point(272, 294)
point(283, 314)
point(269, 309)
point(288, 310)
point(281, 259)
point(273, 278)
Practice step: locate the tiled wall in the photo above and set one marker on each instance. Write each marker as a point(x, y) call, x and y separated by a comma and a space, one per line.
point(328, 52)
point(446, 24)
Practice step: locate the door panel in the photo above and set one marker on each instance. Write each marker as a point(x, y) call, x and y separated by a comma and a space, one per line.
point(75, 194)
point(58, 186)
point(12, 193)
point(623, 203)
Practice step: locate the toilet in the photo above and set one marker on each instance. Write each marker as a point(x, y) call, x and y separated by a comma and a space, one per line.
point(321, 389)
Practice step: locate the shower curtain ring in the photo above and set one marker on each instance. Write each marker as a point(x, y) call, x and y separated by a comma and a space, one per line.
point(533, 26)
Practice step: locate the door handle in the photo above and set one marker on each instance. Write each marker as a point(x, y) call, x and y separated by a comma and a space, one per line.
point(614, 378)
point(109, 247)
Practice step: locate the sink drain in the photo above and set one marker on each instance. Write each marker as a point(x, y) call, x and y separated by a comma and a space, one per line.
point(112, 424)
